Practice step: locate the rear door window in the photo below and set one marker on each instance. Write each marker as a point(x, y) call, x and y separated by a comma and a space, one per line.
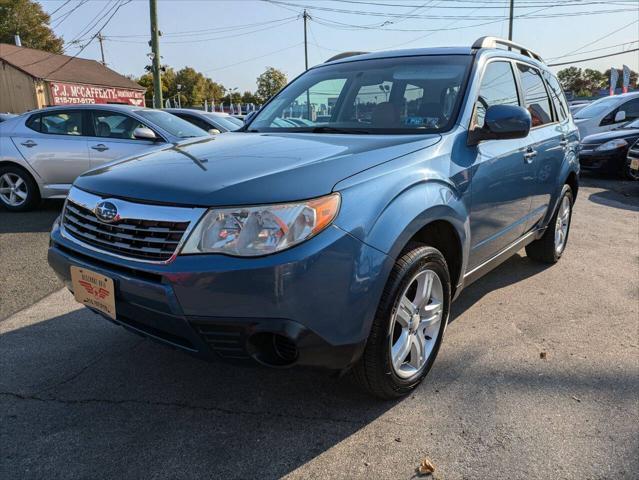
point(558, 97)
point(535, 95)
point(498, 87)
point(60, 122)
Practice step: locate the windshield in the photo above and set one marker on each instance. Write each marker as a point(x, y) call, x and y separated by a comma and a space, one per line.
point(597, 108)
point(172, 124)
point(227, 122)
point(392, 95)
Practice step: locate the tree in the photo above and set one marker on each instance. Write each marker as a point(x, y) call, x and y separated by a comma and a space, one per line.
point(594, 81)
point(571, 79)
point(27, 19)
point(269, 83)
point(248, 97)
point(168, 84)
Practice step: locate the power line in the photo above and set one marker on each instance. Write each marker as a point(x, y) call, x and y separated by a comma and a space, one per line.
point(59, 8)
point(254, 58)
point(599, 39)
point(61, 18)
point(444, 17)
point(199, 40)
point(593, 58)
point(595, 50)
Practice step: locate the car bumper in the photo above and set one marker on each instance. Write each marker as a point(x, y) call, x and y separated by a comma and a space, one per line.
point(611, 162)
point(310, 305)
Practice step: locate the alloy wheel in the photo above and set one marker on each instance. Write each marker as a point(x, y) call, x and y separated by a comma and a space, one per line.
point(415, 324)
point(562, 224)
point(13, 189)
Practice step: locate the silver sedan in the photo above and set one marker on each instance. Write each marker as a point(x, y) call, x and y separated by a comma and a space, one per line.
point(43, 151)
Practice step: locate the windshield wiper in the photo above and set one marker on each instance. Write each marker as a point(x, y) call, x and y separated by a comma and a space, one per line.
point(325, 129)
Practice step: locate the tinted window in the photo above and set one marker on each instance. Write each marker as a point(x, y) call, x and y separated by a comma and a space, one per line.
point(114, 125)
point(198, 122)
point(34, 123)
point(390, 95)
point(61, 123)
point(558, 97)
point(498, 87)
point(631, 108)
point(535, 95)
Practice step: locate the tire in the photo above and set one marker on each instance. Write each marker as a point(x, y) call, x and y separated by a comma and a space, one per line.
point(547, 249)
point(24, 196)
point(629, 174)
point(375, 371)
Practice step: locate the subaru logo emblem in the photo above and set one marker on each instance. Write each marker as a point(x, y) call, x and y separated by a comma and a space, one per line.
point(106, 212)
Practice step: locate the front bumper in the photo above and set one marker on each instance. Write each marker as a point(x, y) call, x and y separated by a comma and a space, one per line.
point(310, 305)
point(609, 162)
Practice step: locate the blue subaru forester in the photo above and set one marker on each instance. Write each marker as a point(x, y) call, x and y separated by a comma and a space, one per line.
point(338, 225)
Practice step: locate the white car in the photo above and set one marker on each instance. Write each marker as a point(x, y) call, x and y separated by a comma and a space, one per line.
point(607, 113)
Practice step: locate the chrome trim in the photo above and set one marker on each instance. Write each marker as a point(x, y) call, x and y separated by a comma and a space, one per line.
point(501, 256)
point(134, 211)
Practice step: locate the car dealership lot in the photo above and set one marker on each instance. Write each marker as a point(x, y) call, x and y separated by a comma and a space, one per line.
point(82, 398)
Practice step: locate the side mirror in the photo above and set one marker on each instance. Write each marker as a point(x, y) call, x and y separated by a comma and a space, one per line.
point(620, 116)
point(214, 131)
point(502, 122)
point(250, 116)
point(143, 133)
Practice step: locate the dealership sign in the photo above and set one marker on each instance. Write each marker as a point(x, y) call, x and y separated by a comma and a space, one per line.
point(75, 93)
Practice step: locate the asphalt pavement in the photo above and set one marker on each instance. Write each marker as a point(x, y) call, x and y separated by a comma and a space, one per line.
point(538, 377)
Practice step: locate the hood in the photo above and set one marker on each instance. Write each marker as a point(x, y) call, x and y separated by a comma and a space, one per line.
point(248, 168)
point(599, 138)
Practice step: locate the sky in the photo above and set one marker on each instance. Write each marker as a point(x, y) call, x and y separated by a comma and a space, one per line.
point(233, 41)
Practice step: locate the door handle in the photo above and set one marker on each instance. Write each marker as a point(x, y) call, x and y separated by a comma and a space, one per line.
point(29, 143)
point(530, 155)
point(100, 147)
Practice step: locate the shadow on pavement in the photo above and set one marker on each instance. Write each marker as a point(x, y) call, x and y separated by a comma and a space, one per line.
point(514, 270)
point(93, 400)
point(38, 220)
point(623, 194)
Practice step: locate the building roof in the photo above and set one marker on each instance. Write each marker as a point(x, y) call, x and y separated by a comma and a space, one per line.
point(63, 68)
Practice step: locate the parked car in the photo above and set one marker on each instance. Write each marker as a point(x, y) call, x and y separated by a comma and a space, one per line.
point(6, 116)
point(633, 160)
point(608, 152)
point(576, 106)
point(607, 113)
point(43, 151)
point(342, 243)
point(212, 122)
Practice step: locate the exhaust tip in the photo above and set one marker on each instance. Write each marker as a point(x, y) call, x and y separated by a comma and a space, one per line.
point(273, 349)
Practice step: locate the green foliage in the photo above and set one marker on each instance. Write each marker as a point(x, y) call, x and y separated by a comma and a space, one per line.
point(270, 82)
point(195, 87)
point(26, 18)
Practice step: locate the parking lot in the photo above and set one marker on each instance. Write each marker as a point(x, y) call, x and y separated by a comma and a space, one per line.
point(538, 377)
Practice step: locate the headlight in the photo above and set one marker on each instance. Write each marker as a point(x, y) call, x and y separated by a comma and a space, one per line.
point(612, 145)
point(260, 230)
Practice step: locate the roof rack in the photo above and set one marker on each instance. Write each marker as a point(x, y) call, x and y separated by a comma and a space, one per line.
point(492, 42)
point(339, 56)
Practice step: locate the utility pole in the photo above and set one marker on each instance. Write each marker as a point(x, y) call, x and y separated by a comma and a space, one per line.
point(308, 95)
point(305, 41)
point(510, 21)
point(155, 48)
point(100, 39)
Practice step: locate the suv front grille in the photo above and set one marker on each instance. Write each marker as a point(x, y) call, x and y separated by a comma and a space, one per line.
point(144, 232)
